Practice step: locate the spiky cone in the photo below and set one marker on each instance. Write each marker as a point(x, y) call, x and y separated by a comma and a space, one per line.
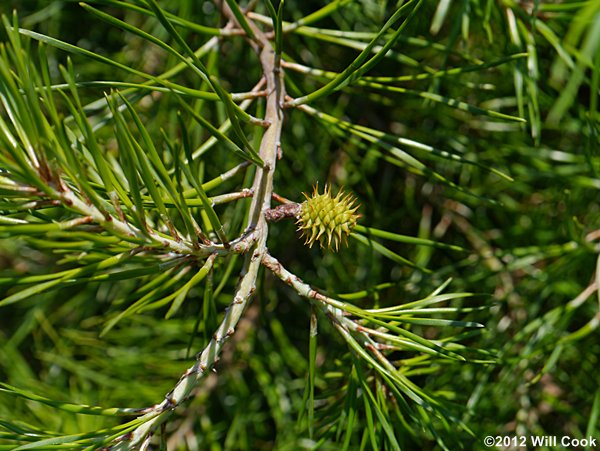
point(326, 219)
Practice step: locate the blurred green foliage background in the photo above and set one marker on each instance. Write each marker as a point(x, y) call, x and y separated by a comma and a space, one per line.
point(530, 240)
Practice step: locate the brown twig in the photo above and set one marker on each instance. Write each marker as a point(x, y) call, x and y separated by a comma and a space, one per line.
point(262, 189)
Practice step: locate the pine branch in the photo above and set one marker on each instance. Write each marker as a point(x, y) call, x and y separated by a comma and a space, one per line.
point(262, 189)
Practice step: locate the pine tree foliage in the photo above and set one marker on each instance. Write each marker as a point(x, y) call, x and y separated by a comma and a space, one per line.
point(155, 292)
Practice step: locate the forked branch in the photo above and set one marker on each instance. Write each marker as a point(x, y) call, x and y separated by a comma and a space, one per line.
point(262, 189)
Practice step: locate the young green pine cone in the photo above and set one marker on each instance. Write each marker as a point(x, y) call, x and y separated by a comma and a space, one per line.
point(327, 219)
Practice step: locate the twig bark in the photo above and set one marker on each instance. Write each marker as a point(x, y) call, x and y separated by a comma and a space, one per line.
point(262, 188)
